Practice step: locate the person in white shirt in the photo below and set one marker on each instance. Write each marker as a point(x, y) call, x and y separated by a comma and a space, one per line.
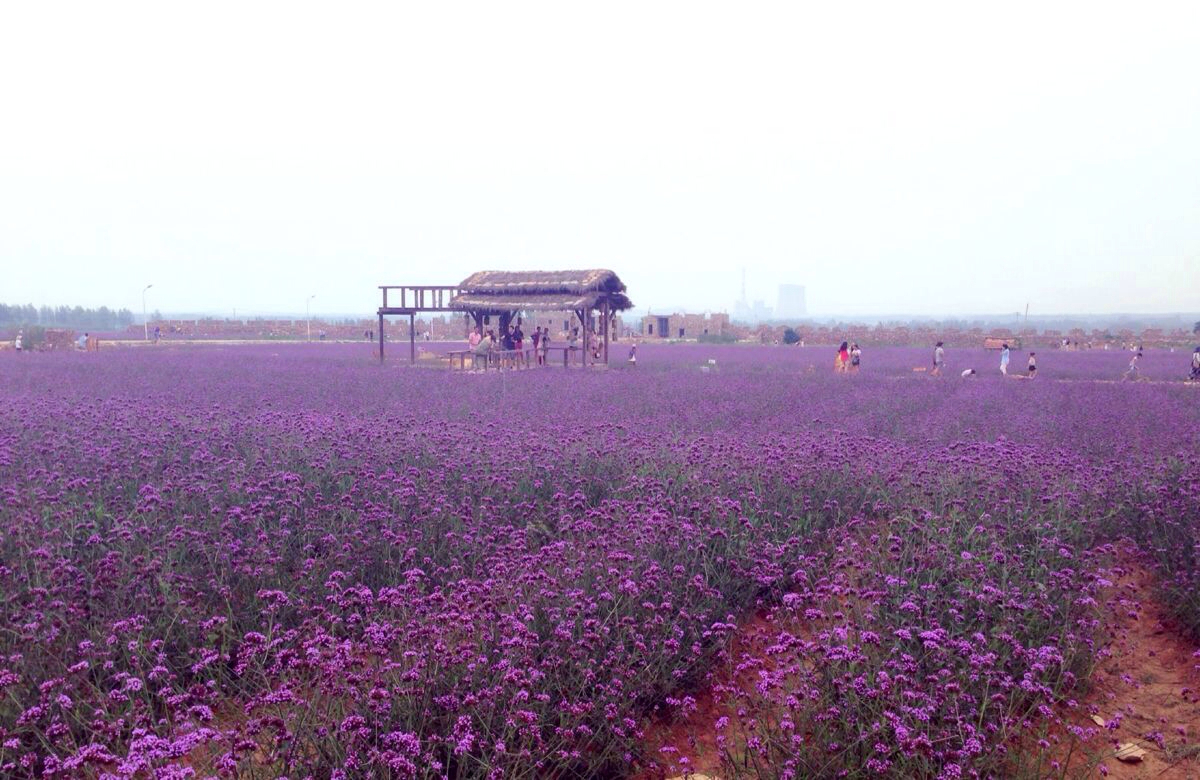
point(939, 359)
point(1004, 360)
point(1132, 371)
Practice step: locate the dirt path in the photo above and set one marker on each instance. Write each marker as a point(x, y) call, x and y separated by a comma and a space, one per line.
point(690, 745)
point(1147, 689)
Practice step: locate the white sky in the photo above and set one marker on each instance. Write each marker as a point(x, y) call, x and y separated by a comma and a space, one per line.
point(895, 157)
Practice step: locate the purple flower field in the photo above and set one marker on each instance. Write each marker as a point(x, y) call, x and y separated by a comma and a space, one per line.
point(288, 561)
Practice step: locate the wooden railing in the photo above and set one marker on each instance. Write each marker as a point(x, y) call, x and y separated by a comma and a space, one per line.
point(512, 358)
point(419, 297)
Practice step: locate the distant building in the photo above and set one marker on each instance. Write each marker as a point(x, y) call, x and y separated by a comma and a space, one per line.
point(758, 312)
point(684, 326)
point(791, 302)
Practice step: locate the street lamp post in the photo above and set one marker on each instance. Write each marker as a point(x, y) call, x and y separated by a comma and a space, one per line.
point(307, 319)
point(145, 321)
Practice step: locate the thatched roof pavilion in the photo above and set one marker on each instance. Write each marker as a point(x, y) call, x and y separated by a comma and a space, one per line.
point(495, 292)
point(504, 294)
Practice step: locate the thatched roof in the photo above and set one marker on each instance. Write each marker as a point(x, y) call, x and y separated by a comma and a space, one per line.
point(496, 291)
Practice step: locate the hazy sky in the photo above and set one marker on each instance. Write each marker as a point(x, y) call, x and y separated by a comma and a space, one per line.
point(894, 157)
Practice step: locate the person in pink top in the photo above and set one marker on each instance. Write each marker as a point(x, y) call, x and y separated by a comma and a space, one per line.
point(843, 358)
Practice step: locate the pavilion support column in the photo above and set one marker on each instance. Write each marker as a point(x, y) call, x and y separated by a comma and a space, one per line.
point(583, 328)
point(381, 339)
point(412, 338)
point(607, 316)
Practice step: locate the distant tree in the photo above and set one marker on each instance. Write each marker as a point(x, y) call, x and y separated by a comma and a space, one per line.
point(790, 336)
point(72, 317)
point(1196, 327)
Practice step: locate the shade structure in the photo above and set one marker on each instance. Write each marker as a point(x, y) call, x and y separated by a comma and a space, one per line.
point(497, 291)
point(505, 294)
point(494, 304)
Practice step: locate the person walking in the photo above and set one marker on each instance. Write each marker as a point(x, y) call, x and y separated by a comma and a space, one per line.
point(1132, 371)
point(20, 344)
point(537, 340)
point(842, 360)
point(1032, 367)
point(1196, 365)
point(855, 358)
point(939, 359)
point(1004, 355)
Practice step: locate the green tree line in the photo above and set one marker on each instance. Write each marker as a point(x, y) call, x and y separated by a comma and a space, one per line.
point(74, 317)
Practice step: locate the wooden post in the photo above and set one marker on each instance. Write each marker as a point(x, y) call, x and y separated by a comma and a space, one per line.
point(607, 317)
point(381, 336)
point(412, 338)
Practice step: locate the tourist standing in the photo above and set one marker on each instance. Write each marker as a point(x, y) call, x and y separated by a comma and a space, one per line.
point(842, 360)
point(1196, 365)
point(1004, 354)
point(855, 358)
point(1032, 366)
point(20, 344)
point(939, 359)
point(537, 341)
point(481, 348)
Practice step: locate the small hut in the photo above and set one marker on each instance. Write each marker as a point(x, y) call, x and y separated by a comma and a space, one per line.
point(594, 295)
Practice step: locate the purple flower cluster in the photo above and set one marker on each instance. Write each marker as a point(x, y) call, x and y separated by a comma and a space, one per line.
point(260, 561)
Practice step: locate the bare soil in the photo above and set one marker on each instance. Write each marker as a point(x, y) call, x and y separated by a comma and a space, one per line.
point(1145, 687)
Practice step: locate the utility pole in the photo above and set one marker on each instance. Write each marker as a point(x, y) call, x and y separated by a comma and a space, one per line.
point(307, 318)
point(145, 321)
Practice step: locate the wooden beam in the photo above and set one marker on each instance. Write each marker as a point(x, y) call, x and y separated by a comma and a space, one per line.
point(381, 337)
